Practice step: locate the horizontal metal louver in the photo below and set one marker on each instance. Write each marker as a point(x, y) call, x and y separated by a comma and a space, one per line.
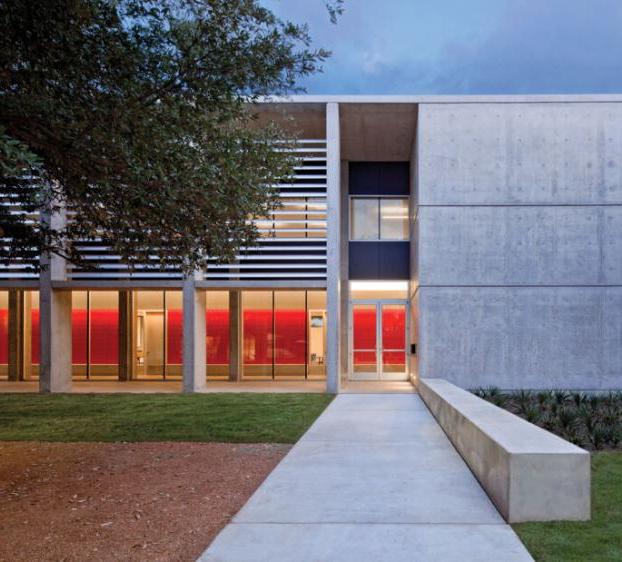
point(12, 204)
point(292, 244)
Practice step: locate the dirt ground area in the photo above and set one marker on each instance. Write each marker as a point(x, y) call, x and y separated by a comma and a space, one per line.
point(123, 501)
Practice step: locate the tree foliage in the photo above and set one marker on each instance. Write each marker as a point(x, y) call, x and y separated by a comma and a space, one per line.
point(137, 116)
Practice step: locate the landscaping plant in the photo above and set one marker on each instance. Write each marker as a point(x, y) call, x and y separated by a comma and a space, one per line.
point(590, 420)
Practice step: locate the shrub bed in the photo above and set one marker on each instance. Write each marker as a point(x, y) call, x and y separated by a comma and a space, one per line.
point(591, 421)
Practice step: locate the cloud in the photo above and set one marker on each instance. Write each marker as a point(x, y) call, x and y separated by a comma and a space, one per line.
point(455, 47)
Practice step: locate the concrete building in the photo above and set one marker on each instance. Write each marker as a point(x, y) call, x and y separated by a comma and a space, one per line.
point(477, 239)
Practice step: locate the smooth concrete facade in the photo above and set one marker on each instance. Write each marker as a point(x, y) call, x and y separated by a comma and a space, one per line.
point(529, 473)
point(519, 246)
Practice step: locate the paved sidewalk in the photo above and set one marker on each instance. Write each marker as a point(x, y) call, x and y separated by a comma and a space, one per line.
point(374, 479)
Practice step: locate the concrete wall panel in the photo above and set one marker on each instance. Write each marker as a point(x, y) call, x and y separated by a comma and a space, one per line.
point(522, 337)
point(536, 245)
point(513, 153)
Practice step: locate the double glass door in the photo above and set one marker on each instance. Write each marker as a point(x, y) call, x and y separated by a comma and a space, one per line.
point(378, 346)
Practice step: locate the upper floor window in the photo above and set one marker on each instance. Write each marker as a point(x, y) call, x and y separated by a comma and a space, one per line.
point(378, 218)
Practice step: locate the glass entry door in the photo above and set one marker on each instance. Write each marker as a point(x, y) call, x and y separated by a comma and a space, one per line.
point(378, 340)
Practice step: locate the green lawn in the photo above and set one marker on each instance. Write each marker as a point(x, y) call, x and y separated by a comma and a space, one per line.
point(238, 418)
point(597, 540)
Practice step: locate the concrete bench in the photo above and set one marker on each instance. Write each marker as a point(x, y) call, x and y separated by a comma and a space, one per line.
point(528, 473)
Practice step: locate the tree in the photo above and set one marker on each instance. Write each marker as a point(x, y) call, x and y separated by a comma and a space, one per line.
point(137, 115)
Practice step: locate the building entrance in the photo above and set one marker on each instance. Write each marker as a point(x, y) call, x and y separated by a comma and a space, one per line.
point(379, 335)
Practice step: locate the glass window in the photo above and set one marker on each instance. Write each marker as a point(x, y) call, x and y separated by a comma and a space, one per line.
point(284, 334)
point(316, 310)
point(258, 331)
point(174, 333)
point(150, 334)
point(290, 334)
point(374, 218)
point(4, 334)
point(217, 334)
point(104, 328)
point(79, 333)
point(364, 219)
point(394, 219)
point(32, 301)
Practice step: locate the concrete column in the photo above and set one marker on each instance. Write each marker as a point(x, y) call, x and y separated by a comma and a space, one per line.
point(235, 336)
point(344, 272)
point(55, 319)
point(333, 276)
point(55, 339)
point(16, 335)
point(126, 335)
point(194, 336)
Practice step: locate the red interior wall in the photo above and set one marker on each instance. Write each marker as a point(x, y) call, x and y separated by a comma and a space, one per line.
point(393, 335)
point(104, 336)
point(258, 336)
point(34, 336)
point(290, 332)
point(217, 340)
point(394, 328)
point(78, 336)
point(174, 331)
point(4, 336)
point(291, 336)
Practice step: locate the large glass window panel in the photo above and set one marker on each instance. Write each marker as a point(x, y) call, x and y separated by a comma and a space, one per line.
point(79, 334)
point(104, 333)
point(174, 334)
point(394, 219)
point(4, 334)
point(393, 338)
point(290, 334)
point(364, 340)
point(257, 314)
point(316, 310)
point(32, 347)
point(150, 348)
point(364, 219)
point(217, 334)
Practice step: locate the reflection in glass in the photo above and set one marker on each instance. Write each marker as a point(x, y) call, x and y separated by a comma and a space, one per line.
point(316, 362)
point(257, 317)
point(364, 219)
point(290, 334)
point(394, 219)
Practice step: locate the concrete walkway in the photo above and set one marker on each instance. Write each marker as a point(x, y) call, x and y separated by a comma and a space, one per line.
point(374, 479)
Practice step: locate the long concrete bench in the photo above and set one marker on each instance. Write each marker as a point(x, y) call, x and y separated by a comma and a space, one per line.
point(528, 473)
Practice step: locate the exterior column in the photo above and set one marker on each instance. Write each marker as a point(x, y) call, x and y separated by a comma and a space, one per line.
point(16, 335)
point(55, 339)
point(235, 336)
point(126, 335)
point(55, 320)
point(333, 250)
point(194, 372)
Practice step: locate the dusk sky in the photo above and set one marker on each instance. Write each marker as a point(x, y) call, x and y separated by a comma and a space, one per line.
point(465, 47)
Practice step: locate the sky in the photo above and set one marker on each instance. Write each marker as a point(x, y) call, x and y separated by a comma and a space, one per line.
point(464, 46)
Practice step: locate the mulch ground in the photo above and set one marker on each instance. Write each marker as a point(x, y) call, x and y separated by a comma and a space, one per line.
point(123, 501)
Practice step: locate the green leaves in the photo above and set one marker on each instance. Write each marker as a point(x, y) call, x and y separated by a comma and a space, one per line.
point(140, 114)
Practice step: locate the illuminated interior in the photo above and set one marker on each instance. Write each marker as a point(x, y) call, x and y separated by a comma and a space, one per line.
point(379, 327)
point(283, 335)
point(4, 334)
